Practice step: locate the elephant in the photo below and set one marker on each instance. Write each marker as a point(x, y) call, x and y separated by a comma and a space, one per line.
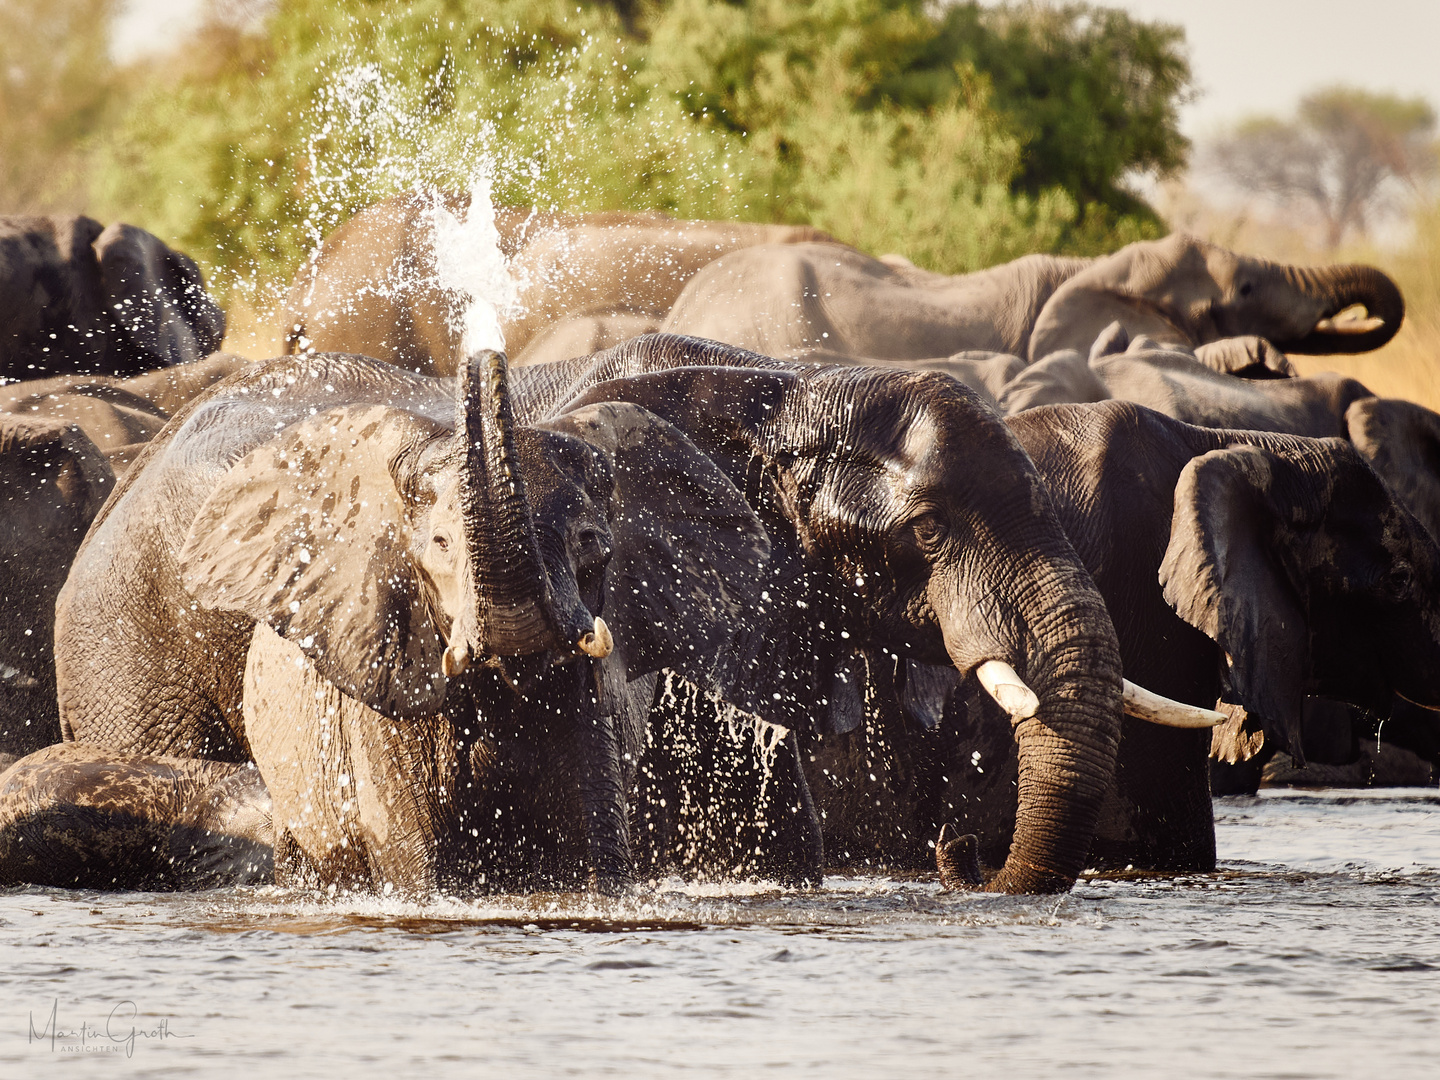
point(53, 481)
point(434, 570)
point(1240, 565)
point(119, 415)
point(76, 816)
point(1179, 290)
point(77, 297)
point(902, 516)
point(373, 287)
point(1400, 439)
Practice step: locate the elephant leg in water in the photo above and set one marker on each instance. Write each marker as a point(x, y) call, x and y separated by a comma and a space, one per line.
point(78, 816)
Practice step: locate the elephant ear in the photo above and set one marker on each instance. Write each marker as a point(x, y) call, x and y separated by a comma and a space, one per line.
point(1401, 441)
point(155, 300)
point(1222, 575)
point(309, 534)
point(1118, 288)
point(689, 552)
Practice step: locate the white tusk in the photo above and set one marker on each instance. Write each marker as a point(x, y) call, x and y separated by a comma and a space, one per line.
point(1008, 689)
point(598, 642)
point(1146, 705)
point(455, 660)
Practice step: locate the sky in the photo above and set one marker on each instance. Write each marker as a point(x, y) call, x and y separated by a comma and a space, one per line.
point(1248, 55)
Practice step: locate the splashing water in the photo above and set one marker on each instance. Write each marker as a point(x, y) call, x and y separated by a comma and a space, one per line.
point(469, 264)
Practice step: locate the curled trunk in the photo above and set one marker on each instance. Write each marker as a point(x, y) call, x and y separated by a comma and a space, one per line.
point(1340, 287)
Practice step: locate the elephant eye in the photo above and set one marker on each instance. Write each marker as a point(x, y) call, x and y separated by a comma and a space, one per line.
point(928, 530)
point(1396, 582)
point(441, 542)
point(1246, 289)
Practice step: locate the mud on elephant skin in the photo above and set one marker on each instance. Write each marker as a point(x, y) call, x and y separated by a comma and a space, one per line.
point(52, 483)
point(78, 816)
point(1179, 290)
point(397, 531)
point(1256, 567)
point(80, 297)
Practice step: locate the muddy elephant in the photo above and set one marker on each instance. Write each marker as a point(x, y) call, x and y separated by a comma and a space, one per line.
point(1255, 568)
point(431, 573)
point(1180, 290)
point(82, 817)
point(902, 516)
point(373, 287)
point(53, 481)
point(80, 297)
point(118, 415)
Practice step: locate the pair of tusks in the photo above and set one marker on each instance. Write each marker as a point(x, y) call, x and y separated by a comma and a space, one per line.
point(596, 642)
point(1011, 694)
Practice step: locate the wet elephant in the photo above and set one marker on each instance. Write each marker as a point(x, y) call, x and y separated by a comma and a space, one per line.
point(902, 515)
point(1258, 568)
point(419, 554)
point(53, 481)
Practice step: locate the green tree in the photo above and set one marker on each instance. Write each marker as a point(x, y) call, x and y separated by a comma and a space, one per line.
point(1347, 157)
point(56, 86)
point(868, 118)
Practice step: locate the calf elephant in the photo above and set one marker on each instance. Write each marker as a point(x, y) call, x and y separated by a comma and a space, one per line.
point(52, 483)
point(394, 532)
point(80, 297)
point(777, 300)
point(1253, 567)
point(373, 287)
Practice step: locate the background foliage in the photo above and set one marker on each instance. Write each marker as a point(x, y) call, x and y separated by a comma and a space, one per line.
point(960, 136)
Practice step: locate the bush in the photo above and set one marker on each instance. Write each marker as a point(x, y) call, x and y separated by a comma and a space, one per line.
point(877, 120)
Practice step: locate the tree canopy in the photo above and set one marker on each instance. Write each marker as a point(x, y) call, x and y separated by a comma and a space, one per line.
point(1347, 156)
point(958, 135)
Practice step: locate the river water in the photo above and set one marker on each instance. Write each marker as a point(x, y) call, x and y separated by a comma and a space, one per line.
point(1315, 952)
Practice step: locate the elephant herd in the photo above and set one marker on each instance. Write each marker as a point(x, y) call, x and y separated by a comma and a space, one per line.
point(763, 556)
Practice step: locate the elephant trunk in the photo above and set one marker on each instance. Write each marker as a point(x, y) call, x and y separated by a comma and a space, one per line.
point(602, 794)
point(1340, 287)
point(513, 610)
point(1067, 735)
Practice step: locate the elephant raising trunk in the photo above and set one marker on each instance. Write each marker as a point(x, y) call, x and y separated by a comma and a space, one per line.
point(515, 609)
point(1340, 287)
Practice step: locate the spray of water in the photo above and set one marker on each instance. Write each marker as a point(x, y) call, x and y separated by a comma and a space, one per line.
point(469, 264)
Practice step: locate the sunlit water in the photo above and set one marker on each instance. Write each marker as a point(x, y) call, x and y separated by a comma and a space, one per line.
point(1315, 952)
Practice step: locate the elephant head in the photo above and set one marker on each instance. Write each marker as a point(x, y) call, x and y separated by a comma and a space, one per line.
point(1185, 291)
point(1302, 566)
point(904, 516)
point(396, 546)
point(76, 297)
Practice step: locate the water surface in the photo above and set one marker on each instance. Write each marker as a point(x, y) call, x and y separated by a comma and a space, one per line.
point(1313, 953)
